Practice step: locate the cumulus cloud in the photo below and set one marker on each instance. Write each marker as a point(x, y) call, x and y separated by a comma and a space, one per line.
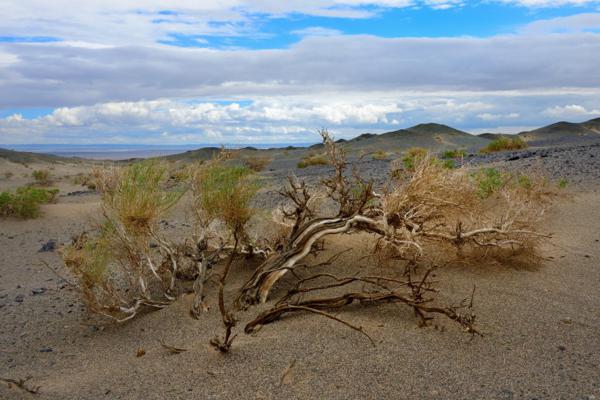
point(570, 111)
point(278, 119)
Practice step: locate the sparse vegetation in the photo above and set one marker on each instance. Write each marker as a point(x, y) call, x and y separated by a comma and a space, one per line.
point(41, 176)
point(504, 144)
point(313, 160)
point(413, 157)
point(25, 202)
point(85, 180)
point(562, 183)
point(256, 163)
point(423, 214)
point(456, 153)
point(380, 155)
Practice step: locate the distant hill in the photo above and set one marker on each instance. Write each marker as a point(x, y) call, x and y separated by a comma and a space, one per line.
point(204, 153)
point(492, 136)
point(564, 131)
point(431, 136)
point(24, 157)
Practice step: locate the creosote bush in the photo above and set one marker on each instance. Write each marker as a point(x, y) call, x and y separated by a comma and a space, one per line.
point(504, 144)
point(428, 216)
point(25, 202)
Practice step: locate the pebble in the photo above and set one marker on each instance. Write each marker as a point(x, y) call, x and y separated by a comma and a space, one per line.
point(19, 298)
point(37, 291)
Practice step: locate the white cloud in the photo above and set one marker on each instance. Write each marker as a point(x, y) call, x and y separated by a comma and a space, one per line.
point(143, 22)
point(46, 75)
point(496, 117)
point(573, 23)
point(316, 31)
point(571, 110)
point(272, 119)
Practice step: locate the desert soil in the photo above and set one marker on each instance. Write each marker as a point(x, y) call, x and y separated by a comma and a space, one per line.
point(541, 325)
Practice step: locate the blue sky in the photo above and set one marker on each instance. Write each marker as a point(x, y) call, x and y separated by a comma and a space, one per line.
point(237, 71)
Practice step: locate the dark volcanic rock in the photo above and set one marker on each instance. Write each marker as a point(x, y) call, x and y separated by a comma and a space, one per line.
point(50, 245)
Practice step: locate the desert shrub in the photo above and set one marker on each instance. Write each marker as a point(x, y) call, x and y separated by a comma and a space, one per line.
point(504, 143)
point(41, 176)
point(562, 183)
point(380, 155)
point(413, 156)
point(136, 197)
point(8, 175)
point(256, 163)
point(223, 192)
point(25, 202)
point(448, 164)
point(85, 180)
point(313, 160)
point(488, 181)
point(431, 215)
point(455, 153)
point(525, 181)
point(127, 264)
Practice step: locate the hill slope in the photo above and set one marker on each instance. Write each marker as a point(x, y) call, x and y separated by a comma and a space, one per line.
point(24, 157)
point(564, 132)
point(431, 136)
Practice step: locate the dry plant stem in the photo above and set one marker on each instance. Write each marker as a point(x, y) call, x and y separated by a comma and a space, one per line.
point(321, 304)
point(228, 320)
point(21, 384)
point(272, 270)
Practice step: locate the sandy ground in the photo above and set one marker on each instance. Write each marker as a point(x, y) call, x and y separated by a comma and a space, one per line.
point(541, 325)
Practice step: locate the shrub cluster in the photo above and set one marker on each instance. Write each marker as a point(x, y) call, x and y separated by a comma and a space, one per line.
point(25, 202)
point(256, 163)
point(455, 153)
point(503, 144)
point(313, 160)
point(41, 176)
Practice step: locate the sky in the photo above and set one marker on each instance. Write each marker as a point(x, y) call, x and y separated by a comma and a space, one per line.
point(275, 71)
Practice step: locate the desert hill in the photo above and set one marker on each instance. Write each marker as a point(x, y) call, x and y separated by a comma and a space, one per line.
point(564, 131)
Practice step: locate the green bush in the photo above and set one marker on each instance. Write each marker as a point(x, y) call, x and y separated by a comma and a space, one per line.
point(503, 144)
point(488, 180)
point(456, 153)
point(449, 164)
point(224, 193)
point(413, 156)
point(380, 155)
point(562, 183)
point(41, 176)
point(25, 202)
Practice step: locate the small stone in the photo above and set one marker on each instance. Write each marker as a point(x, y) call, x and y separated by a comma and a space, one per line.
point(46, 350)
point(50, 245)
point(19, 298)
point(37, 291)
point(562, 348)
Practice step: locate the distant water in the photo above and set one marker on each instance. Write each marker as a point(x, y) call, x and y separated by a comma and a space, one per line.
point(127, 151)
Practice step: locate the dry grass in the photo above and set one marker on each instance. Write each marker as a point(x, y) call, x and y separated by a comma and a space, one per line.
point(313, 160)
point(256, 163)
